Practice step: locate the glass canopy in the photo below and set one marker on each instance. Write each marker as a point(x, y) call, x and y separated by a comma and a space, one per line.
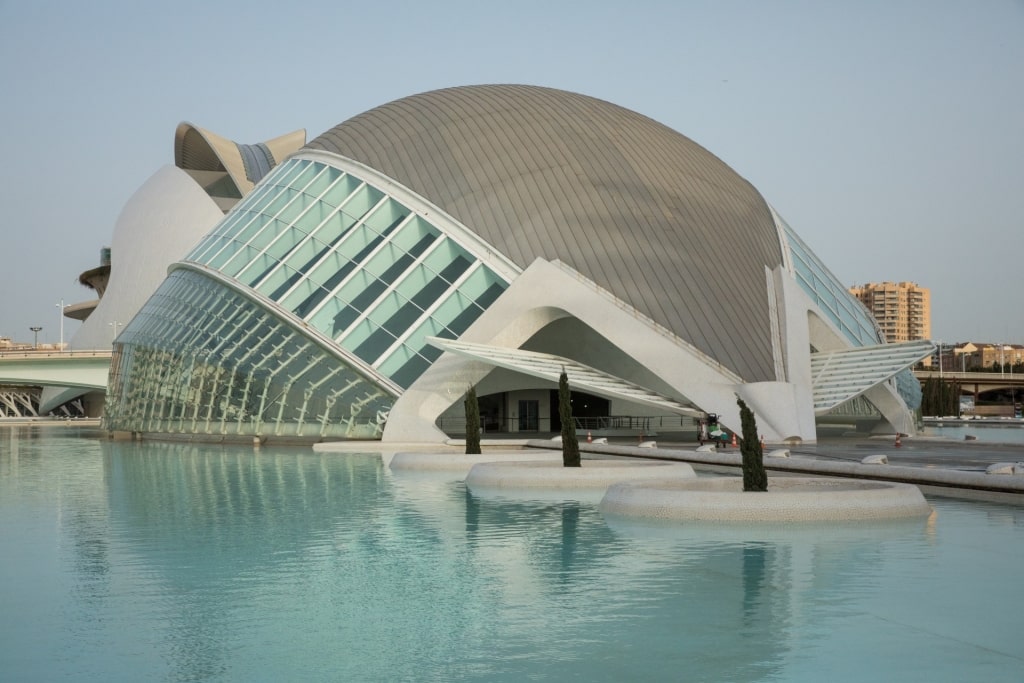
point(311, 302)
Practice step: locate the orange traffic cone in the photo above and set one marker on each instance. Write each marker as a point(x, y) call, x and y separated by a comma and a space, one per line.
point(898, 442)
point(589, 440)
point(734, 439)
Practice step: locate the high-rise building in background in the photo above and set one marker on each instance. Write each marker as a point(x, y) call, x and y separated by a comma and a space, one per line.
point(902, 309)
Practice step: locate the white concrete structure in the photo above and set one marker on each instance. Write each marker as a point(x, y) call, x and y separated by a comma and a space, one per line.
point(532, 479)
point(491, 236)
point(458, 465)
point(788, 499)
point(161, 221)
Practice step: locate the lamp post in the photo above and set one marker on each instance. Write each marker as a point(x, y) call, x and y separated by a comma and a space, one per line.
point(115, 325)
point(1013, 391)
point(60, 308)
point(36, 330)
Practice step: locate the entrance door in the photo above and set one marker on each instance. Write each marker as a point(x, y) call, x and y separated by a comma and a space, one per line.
point(528, 416)
point(589, 411)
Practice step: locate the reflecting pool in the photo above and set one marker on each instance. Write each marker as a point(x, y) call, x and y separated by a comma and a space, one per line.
point(1009, 432)
point(149, 561)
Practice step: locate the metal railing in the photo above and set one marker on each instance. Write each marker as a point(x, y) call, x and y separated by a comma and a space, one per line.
point(54, 353)
point(456, 425)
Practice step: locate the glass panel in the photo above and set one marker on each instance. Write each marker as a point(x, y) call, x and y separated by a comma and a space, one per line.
point(265, 263)
point(299, 291)
point(311, 218)
point(246, 210)
point(386, 215)
point(410, 370)
point(299, 203)
point(435, 325)
point(324, 179)
point(308, 171)
point(834, 299)
point(231, 368)
point(335, 252)
point(246, 229)
point(330, 263)
point(210, 246)
point(279, 201)
point(326, 317)
point(374, 345)
point(339, 192)
point(295, 263)
point(361, 201)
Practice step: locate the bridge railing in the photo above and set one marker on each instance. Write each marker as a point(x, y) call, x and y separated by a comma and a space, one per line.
point(982, 377)
point(54, 353)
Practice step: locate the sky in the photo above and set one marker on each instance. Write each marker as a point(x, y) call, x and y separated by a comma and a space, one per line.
point(888, 133)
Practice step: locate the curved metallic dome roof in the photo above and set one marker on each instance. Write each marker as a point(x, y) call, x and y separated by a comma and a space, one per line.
point(642, 210)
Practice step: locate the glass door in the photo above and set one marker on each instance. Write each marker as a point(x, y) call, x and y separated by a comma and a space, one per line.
point(528, 416)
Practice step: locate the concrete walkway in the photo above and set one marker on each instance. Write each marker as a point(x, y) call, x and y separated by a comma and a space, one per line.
point(943, 468)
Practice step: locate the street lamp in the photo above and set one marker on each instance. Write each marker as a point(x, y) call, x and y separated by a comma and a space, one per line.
point(115, 325)
point(1013, 392)
point(60, 307)
point(36, 331)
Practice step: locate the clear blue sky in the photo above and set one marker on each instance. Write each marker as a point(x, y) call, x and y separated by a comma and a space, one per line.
point(888, 133)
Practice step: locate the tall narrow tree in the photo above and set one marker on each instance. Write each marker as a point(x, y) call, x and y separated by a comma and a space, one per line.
point(755, 478)
point(472, 422)
point(570, 446)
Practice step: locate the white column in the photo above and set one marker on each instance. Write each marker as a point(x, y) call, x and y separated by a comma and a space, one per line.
point(60, 306)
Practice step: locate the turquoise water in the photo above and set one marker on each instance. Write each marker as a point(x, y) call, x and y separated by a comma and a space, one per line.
point(173, 562)
point(984, 432)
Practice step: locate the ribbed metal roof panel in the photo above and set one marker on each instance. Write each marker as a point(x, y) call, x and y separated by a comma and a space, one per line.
point(639, 208)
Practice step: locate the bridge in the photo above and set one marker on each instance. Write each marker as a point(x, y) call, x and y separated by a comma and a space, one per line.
point(77, 369)
point(975, 382)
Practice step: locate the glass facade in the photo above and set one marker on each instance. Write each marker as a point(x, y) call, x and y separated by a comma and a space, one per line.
point(841, 307)
point(848, 314)
point(309, 303)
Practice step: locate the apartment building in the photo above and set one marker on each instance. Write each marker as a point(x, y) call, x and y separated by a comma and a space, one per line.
point(902, 309)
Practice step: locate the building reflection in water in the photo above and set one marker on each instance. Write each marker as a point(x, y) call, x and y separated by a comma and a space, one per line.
point(302, 551)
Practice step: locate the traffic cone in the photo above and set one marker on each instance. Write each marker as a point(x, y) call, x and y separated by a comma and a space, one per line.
point(898, 442)
point(734, 439)
point(589, 439)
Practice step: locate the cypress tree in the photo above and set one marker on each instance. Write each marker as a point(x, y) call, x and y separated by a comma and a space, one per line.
point(570, 446)
point(472, 422)
point(930, 397)
point(755, 478)
point(953, 407)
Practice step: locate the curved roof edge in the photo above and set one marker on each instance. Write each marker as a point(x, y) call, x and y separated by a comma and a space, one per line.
point(635, 206)
point(198, 149)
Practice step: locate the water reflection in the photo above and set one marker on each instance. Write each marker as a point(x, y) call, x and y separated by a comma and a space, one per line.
point(211, 524)
point(766, 584)
point(180, 561)
point(419, 560)
point(755, 564)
